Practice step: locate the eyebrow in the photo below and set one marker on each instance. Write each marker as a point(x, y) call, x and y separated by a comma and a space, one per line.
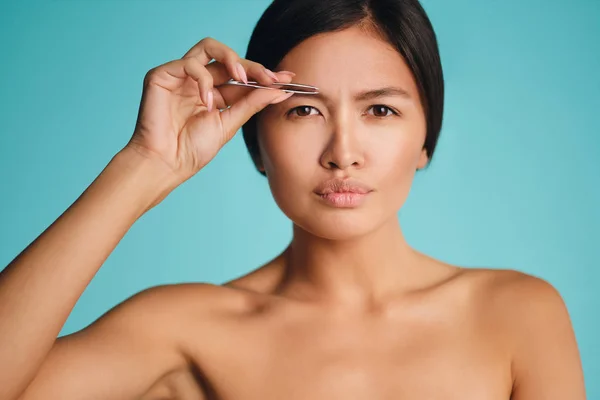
point(382, 92)
point(370, 94)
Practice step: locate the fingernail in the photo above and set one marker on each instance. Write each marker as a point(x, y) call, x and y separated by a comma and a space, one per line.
point(271, 75)
point(242, 73)
point(287, 73)
point(209, 104)
point(282, 98)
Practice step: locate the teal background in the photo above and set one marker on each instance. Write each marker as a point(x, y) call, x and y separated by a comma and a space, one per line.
point(514, 182)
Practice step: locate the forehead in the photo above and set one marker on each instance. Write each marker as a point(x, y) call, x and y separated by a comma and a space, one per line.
point(351, 60)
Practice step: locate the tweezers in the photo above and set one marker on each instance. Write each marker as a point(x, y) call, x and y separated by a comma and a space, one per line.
point(286, 87)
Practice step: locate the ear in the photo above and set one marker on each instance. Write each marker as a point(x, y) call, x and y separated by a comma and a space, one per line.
point(423, 159)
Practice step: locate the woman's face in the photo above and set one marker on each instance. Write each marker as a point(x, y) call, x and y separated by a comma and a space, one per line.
point(367, 125)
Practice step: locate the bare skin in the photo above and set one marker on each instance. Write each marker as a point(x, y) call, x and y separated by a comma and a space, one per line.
point(349, 310)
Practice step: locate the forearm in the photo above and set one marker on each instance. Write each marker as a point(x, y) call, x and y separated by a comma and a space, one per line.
point(40, 287)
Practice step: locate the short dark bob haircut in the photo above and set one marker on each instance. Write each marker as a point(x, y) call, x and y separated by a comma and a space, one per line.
point(402, 23)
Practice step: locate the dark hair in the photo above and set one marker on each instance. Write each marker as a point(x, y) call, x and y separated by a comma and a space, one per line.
point(402, 23)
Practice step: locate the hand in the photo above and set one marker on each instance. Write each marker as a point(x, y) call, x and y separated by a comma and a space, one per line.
point(180, 123)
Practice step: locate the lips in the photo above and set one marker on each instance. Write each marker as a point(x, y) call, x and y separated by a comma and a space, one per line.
point(339, 185)
point(345, 192)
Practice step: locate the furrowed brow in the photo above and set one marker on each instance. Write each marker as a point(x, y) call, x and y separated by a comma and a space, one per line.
point(382, 92)
point(392, 91)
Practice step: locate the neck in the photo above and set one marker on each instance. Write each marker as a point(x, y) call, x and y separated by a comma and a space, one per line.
point(361, 270)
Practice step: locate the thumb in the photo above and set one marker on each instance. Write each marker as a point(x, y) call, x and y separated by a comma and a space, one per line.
point(238, 114)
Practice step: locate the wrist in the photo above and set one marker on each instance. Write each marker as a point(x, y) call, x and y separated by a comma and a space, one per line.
point(148, 177)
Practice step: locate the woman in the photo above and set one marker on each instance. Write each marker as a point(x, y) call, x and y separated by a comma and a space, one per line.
point(348, 310)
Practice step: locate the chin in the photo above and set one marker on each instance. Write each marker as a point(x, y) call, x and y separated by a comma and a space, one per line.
point(322, 220)
point(337, 224)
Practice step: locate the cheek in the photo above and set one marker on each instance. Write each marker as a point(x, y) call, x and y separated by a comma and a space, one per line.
point(397, 150)
point(290, 148)
point(395, 161)
point(287, 159)
point(396, 154)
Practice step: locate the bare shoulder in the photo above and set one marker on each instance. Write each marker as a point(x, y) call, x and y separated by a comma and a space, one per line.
point(514, 300)
point(505, 298)
point(526, 303)
point(141, 343)
point(518, 293)
point(167, 311)
point(176, 293)
point(531, 319)
point(183, 298)
point(509, 288)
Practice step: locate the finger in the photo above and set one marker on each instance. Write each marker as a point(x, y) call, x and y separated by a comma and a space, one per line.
point(254, 70)
point(190, 67)
point(226, 95)
point(219, 72)
point(259, 72)
point(232, 94)
point(219, 100)
point(205, 84)
point(208, 49)
point(240, 112)
point(263, 75)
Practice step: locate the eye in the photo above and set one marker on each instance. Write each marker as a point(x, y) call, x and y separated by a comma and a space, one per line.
point(379, 110)
point(302, 111)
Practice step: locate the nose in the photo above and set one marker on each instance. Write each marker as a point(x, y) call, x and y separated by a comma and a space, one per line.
point(343, 150)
